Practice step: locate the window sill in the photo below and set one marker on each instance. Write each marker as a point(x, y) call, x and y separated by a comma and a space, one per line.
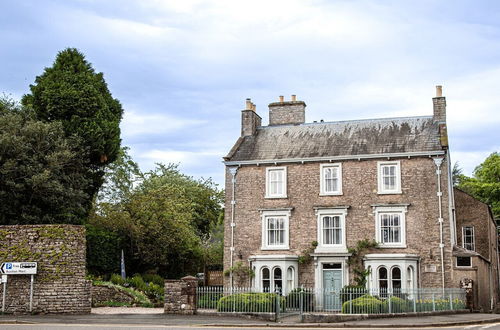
point(387, 246)
point(269, 248)
point(275, 197)
point(397, 192)
point(331, 194)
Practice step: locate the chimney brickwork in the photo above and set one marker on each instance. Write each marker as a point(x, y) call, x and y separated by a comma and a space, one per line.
point(250, 120)
point(287, 112)
point(439, 105)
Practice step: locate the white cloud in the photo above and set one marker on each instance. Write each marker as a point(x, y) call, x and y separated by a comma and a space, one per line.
point(135, 124)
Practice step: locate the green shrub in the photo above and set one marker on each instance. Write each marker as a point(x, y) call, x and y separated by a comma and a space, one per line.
point(113, 303)
point(117, 279)
point(250, 302)
point(155, 278)
point(398, 305)
point(209, 300)
point(294, 297)
point(363, 305)
point(350, 292)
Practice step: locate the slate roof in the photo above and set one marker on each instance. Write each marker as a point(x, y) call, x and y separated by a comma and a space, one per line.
point(342, 138)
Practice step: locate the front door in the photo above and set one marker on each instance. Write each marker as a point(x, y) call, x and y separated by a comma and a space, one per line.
point(332, 284)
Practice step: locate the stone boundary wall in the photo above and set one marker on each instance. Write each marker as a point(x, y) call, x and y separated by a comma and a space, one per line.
point(180, 296)
point(102, 294)
point(60, 285)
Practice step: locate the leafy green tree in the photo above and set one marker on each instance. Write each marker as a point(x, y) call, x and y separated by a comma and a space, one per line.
point(485, 183)
point(119, 179)
point(42, 176)
point(204, 197)
point(161, 223)
point(72, 93)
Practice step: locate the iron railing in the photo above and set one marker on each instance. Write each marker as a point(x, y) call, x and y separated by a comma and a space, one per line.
point(346, 301)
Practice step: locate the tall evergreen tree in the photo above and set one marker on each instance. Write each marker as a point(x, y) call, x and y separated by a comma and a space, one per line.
point(72, 93)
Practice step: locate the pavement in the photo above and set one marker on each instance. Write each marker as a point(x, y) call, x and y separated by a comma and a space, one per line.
point(148, 319)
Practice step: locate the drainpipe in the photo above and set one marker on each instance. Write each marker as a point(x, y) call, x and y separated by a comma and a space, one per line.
point(438, 162)
point(451, 202)
point(232, 171)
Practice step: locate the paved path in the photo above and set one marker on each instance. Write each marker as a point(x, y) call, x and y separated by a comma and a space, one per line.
point(111, 321)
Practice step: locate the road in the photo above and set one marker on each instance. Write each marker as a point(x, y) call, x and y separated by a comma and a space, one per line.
point(493, 326)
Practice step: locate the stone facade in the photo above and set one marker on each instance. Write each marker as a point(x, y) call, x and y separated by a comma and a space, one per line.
point(60, 285)
point(102, 294)
point(419, 188)
point(180, 296)
point(420, 206)
point(484, 270)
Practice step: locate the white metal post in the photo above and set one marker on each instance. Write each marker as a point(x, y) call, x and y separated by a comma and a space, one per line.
point(31, 293)
point(3, 294)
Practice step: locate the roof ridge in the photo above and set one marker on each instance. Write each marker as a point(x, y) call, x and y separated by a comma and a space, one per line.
point(351, 121)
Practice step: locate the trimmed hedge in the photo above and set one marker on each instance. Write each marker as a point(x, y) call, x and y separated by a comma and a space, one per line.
point(250, 302)
point(294, 297)
point(362, 305)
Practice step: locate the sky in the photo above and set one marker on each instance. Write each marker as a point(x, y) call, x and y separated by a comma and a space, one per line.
point(183, 69)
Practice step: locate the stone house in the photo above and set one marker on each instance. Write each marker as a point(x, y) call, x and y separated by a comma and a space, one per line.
point(316, 189)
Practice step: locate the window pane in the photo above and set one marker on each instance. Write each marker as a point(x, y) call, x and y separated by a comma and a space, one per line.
point(390, 228)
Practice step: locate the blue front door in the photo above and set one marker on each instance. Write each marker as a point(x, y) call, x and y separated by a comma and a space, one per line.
point(332, 284)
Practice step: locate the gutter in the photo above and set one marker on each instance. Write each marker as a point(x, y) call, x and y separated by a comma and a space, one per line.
point(333, 158)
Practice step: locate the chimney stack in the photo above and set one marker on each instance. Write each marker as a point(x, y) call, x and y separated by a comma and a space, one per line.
point(250, 120)
point(287, 112)
point(439, 105)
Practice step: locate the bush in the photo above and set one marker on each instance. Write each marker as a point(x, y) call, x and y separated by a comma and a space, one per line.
point(398, 305)
point(250, 302)
point(350, 292)
point(155, 278)
point(117, 279)
point(294, 297)
point(363, 305)
point(209, 300)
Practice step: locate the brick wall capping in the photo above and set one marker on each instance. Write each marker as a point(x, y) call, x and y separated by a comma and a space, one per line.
point(189, 278)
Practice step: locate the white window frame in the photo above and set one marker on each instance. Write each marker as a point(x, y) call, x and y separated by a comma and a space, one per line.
point(381, 189)
point(322, 247)
point(273, 214)
point(322, 182)
point(473, 238)
point(401, 210)
point(268, 182)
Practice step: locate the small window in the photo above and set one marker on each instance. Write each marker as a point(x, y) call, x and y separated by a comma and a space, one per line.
point(266, 279)
point(409, 278)
point(468, 238)
point(383, 282)
point(464, 262)
point(278, 282)
point(331, 179)
point(276, 182)
point(290, 276)
point(396, 279)
point(389, 178)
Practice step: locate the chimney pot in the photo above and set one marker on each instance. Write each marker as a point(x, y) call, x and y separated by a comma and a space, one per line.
point(294, 97)
point(439, 91)
point(282, 98)
point(248, 105)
